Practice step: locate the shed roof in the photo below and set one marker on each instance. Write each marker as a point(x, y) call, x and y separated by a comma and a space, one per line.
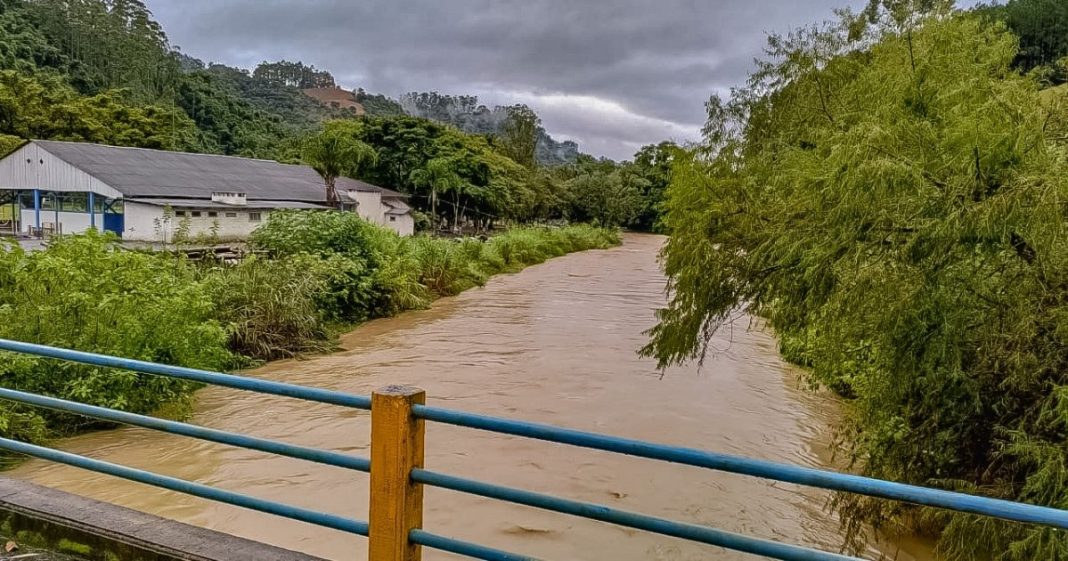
point(211, 205)
point(141, 172)
point(396, 206)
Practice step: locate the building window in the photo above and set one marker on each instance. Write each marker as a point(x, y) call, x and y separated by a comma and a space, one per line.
point(179, 213)
point(253, 217)
point(48, 201)
point(231, 215)
point(195, 214)
point(74, 202)
point(212, 214)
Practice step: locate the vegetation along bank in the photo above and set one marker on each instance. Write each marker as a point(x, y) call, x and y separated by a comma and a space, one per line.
point(890, 191)
point(320, 271)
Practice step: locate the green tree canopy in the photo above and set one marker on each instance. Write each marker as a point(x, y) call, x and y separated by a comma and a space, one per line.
point(337, 152)
point(891, 197)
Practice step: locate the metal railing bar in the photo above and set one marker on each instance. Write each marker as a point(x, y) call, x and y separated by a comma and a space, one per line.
point(202, 433)
point(691, 532)
point(809, 477)
point(466, 549)
point(188, 487)
point(205, 376)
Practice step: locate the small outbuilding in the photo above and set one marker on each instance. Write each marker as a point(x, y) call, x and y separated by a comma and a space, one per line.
point(147, 195)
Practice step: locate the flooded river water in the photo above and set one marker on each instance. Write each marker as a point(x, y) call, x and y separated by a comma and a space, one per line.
point(553, 344)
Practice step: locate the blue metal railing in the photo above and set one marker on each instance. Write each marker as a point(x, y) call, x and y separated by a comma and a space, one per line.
point(809, 477)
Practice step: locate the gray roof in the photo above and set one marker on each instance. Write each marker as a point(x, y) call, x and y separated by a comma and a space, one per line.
point(396, 206)
point(140, 172)
point(211, 205)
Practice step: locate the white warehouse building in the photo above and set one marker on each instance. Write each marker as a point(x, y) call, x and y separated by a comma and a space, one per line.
point(146, 195)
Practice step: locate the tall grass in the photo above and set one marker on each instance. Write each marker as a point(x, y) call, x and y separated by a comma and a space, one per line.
point(323, 269)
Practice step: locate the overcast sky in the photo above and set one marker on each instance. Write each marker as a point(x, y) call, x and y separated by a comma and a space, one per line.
point(611, 75)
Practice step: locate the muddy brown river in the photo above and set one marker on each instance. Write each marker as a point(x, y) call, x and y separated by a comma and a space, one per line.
point(553, 344)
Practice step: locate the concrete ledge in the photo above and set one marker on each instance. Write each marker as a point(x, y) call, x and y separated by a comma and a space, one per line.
point(100, 531)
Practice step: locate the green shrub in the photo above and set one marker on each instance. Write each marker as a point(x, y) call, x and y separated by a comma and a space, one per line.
point(84, 293)
point(272, 307)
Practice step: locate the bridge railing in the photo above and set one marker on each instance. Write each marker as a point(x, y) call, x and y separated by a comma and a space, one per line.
point(397, 471)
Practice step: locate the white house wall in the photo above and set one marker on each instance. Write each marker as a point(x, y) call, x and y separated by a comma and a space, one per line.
point(31, 167)
point(369, 206)
point(403, 224)
point(139, 222)
point(144, 222)
point(229, 228)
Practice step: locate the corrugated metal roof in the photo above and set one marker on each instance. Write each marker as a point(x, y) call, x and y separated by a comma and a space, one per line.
point(140, 172)
point(396, 206)
point(349, 184)
point(207, 204)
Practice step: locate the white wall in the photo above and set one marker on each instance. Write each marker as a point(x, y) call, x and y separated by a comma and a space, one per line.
point(403, 225)
point(71, 222)
point(141, 223)
point(230, 228)
point(369, 206)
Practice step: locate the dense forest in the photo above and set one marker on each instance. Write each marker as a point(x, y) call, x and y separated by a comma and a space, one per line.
point(889, 190)
point(104, 71)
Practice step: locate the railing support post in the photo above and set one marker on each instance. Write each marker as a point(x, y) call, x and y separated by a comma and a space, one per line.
point(396, 448)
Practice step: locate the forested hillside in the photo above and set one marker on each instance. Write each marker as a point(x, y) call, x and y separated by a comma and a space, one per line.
point(466, 113)
point(104, 71)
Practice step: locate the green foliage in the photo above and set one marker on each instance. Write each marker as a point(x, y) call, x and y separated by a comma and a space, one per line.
point(465, 113)
point(110, 45)
point(891, 197)
point(229, 123)
point(336, 152)
point(378, 105)
point(1042, 27)
point(416, 156)
point(519, 136)
point(609, 199)
point(653, 164)
point(41, 106)
point(84, 293)
point(371, 274)
point(294, 74)
point(271, 306)
point(9, 144)
point(380, 273)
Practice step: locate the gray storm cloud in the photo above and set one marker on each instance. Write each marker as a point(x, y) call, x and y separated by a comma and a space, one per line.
point(610, 75)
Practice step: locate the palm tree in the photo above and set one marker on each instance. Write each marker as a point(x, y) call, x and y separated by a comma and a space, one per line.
point(334, 153)
point(438, 174)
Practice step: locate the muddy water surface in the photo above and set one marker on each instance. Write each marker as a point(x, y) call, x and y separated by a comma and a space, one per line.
point(553, 344)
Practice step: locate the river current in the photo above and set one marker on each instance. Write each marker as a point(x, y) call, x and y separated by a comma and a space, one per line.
point(556, 344)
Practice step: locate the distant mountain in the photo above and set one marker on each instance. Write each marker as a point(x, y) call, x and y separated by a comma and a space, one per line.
point(465, 113)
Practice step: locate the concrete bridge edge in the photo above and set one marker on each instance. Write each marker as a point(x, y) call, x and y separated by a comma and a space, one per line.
point(99, 531)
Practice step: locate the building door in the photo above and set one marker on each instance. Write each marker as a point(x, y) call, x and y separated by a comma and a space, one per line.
point(114, 223)
point(114, 216)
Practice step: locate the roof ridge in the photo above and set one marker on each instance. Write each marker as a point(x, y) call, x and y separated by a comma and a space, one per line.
point(97, 144)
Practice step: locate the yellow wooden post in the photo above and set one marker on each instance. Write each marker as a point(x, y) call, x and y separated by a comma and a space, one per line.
point(396, 448)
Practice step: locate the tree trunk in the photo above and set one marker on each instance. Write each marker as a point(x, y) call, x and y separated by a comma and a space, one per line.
point(456, 212)
point(434, 207)
point(331, 193)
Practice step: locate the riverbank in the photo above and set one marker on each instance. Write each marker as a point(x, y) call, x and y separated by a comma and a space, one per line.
point(553, 344)
point(325, 270)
